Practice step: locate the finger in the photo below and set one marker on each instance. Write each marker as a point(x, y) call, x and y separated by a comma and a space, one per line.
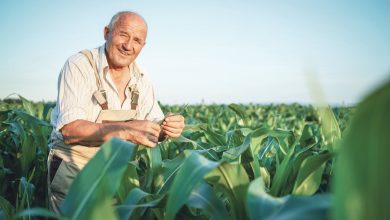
point(150, 141)
point(149, 144)
point(174, 118)
point(172, 129)
point(171, 134)
point(153, 138)
point(156, 133)
point(145, 141)
point(153, 133)
point(169, 114)
point(174, 124)
point(155, 126)
point(153, 129)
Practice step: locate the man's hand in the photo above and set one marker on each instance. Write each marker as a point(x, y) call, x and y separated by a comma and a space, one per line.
point(142, 132)
point(173, 125)
point(94, 134)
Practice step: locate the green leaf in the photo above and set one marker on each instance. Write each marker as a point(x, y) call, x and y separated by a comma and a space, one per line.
point(30, 119)
point(308, 137)
point(38, 212)
point(18, 133)
point(193, 128)
point(265, 176)
point(91, 192)
point(129, 181)
point(25, 193)
point(261, 205)
point(203, 197)
point(190, 174)
point(169, 168)
point(132, 201)
point(303, 208)
point(128, 206)
point(214, 137)
point(153, 163)
point(256, 138)
point(309, 174)
point(47, 111)
point(234, 153)
point(7, 210)
point(283, 172)
point(234, 137)
point(155, 158)
point(329, 123)
point(329, 126)
point(28, 154)
point(238, 110)
point(27, 105)
point(232, 180)
point(362, 176)
point(258, 135)
point(209, 153)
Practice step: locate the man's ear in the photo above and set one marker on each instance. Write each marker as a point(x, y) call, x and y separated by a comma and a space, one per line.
point(106, 32)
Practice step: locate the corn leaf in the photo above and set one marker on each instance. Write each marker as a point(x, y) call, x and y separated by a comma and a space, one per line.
point(91, 192)
point(203, 197)
point(261, 205)
point(232, 180)
point(362, 176)
point(6, 209)
point(38, 212)
point(303, 208)
point(309, 174)
point(132, 203)
point(191, 173)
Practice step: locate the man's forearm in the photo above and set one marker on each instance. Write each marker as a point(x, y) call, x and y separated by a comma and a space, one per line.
point(91, 134)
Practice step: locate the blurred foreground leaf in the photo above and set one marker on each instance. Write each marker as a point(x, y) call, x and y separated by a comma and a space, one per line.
point(362, 176)
point(91, 193)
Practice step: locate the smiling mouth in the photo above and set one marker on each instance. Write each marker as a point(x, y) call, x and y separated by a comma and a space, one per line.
point(124, 53)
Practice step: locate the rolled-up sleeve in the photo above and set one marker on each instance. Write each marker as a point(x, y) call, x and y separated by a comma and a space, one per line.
point(74, 93)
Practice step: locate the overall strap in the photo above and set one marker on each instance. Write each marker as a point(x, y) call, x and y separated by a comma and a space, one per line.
point(100, 94)
point(134, 97)
point(134, 89)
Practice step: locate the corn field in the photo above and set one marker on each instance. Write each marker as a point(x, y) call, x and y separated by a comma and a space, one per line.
point(231, 162)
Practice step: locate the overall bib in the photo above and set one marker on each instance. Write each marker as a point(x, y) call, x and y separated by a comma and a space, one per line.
point(66, 161)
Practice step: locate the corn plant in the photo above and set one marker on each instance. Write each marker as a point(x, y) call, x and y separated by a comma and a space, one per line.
point(231, 162)
point(23, 148)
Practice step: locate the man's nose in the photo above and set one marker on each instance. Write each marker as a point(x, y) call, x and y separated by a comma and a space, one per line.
point(128, 45)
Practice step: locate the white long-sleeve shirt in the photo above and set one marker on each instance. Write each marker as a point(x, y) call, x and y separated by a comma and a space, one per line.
point(77, 83)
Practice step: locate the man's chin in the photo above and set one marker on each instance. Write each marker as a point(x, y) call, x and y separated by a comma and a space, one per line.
point(121, 61)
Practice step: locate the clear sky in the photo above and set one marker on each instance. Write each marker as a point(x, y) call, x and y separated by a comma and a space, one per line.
point(215, 51)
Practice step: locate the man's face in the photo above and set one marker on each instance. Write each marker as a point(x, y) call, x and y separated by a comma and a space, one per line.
point(125, 41)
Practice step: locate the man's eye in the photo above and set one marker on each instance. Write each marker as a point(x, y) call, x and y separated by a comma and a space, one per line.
point(123, 35)
point(138, 41)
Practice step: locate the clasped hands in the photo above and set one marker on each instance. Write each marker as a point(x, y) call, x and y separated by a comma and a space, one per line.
point(150, 133)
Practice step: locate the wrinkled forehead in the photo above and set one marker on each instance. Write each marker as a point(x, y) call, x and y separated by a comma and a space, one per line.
point(133, 21)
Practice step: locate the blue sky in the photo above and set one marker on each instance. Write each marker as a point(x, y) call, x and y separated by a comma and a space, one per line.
point(209, 51)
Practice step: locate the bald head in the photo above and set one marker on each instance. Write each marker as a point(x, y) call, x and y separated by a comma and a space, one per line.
point(126, 15)
point(125, 37)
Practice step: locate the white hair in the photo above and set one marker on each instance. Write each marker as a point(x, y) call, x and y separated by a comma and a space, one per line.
point(116, 17)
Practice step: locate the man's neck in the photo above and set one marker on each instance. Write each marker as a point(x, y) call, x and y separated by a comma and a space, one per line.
point(117, 74)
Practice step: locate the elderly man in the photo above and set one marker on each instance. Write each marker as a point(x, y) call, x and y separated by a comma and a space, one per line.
point(102, 94)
